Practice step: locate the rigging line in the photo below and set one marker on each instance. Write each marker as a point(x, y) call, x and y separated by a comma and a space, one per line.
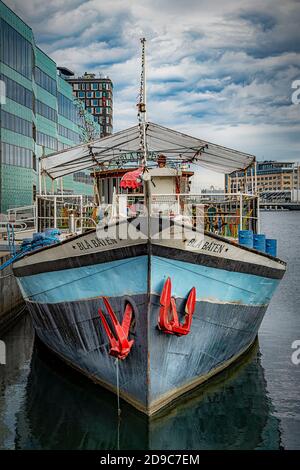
point(165, 129)
point(116, 146)
point(179, 150)
point(121, 150)
point(76, 280)
point(117, 134)
point(87, 156)
point(189, 147)
point(209, 151)
point(118, 394)
point(170, 134)
point(227, 158)
point(125, 135)
point(161, 148)
point(59, 173)
point(192, 143)
point(229, 165)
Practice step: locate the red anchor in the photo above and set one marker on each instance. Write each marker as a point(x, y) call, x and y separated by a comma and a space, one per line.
point(120, 345)
point(168, 318)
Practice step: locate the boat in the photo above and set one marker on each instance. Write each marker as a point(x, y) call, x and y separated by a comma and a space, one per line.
point(165, 289)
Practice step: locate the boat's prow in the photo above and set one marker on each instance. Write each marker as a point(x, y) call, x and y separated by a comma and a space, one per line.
point(64, 286)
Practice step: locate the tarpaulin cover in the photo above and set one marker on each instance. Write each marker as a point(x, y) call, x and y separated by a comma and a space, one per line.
point(176, 146)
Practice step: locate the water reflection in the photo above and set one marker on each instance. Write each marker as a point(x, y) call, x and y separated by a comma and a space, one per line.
point(51, 407)
point(13, 379)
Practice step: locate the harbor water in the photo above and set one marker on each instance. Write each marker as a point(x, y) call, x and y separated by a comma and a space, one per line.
point(253, 405)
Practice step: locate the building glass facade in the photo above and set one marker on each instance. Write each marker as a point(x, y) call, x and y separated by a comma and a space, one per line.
point(37, 112)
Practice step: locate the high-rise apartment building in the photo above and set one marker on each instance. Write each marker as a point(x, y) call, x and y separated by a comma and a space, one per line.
point(97, 95)
point(37, 111)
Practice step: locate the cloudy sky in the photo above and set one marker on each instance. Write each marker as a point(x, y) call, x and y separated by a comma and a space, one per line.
point(220, 70)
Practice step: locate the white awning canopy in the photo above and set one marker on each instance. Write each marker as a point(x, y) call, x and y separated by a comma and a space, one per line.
point(125, 146)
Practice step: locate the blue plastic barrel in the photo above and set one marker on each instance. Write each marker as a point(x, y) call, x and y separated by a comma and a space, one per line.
point(259, 242)
point(246, 238)
point(271, 246)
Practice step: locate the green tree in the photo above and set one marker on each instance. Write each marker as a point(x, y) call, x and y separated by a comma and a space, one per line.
point(88, 127)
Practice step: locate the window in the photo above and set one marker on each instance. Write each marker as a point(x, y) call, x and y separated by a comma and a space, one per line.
point(81, 94)
point(75, 86)
point(16, 51)
point(16, 124)
point(45, 81)
point(94, 86)
point(98, 94)
point(67, 108)
point(17, 92)
point(17, 156)
point(68, 133)
point(46, 111)
point(82, 177)
point(98, 110)
point(46, 140)
point(89, 94)
point(90, 110)
point(94, 102)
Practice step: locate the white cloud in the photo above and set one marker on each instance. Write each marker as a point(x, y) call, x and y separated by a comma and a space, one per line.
point(219, 70)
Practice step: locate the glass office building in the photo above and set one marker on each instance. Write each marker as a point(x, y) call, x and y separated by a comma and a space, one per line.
point(37, 112)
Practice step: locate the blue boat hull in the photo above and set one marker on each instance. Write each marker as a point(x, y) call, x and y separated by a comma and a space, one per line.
point(230, 307)
point(159, 367)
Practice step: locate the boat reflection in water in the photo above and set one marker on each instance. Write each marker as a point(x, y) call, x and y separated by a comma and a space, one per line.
point(62, 410)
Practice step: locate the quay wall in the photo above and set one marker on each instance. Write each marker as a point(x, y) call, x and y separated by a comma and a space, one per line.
point(11, 301)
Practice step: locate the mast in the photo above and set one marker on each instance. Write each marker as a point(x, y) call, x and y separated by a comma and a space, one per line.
point(142, 114)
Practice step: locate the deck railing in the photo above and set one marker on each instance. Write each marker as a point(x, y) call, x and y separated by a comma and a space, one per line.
point(66, 212)
point(220, 213)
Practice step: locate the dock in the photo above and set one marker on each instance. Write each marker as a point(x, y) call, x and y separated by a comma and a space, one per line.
point(11, 301)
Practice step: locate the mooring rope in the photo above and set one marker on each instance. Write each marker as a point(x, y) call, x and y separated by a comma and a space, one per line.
point(118, 404)
point(118, 387)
